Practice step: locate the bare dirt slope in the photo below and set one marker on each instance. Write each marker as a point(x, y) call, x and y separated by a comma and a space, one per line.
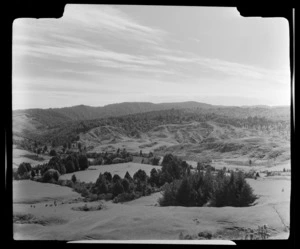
point(144, 219)
point(192, 141)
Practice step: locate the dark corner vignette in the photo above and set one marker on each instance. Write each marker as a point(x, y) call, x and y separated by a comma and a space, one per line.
point(40, 9)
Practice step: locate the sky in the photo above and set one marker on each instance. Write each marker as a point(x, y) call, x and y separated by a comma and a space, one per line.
point(102, 54)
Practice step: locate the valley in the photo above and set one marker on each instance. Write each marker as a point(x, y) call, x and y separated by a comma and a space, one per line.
point(248, 139)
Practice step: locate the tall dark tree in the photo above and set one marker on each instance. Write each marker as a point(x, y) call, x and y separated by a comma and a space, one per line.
point(83, 162)
point(53, 153)
point(116, 178)
point(45, 148)
point(128, 176)
point(24, 168)
point(56, 163)
point(117, 188)
point(70, 168)
point(140, 175)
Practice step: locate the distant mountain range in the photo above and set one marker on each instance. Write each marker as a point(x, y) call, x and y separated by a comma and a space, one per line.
point(54, 116)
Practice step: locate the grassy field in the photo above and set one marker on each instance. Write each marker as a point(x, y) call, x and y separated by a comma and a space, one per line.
point(20, 156)
point(147, 220)
point(92, 173)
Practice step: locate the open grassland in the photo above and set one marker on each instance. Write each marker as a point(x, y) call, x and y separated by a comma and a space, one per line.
point(93, 172)
point(147, 220)
point(20, 156)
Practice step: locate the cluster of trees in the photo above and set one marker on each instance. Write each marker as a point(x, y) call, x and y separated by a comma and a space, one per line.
point(216, 190)
point(71, 163)
point(121, 156)
point(23, 171)
point(114, 187)
point(56, 166)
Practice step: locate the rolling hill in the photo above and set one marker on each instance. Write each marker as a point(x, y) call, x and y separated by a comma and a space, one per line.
point(189, 129)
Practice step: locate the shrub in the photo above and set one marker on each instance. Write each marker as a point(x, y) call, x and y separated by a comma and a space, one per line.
point(74, 179)
point(106, 197)
point(124, 197)
point(81, 188)
point(98, 161)
point(118, 160)
point(51, 176)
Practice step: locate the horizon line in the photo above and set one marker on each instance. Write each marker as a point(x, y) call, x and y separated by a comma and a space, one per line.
point(118, 103)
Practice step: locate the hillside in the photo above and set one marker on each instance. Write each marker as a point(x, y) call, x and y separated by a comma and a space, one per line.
point(187, 129)
point(50, 118)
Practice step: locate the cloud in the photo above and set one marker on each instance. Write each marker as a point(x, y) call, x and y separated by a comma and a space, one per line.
point(112, 21)
point(231, 68)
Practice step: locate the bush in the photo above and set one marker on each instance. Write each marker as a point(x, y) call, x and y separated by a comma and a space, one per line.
point(51, 176)
point(74, 179)
point(81, 188)
point(98, 161)
point(106, 197)
point(118, 160)
point(124, 197)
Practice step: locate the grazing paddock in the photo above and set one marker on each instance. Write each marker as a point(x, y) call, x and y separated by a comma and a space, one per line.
point(92, 173)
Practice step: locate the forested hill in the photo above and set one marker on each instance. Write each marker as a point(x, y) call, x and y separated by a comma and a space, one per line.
point(134, 125)
point(50, 118)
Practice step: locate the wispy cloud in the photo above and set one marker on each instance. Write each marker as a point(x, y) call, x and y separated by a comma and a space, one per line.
point(111, 20)
point(231, 68)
